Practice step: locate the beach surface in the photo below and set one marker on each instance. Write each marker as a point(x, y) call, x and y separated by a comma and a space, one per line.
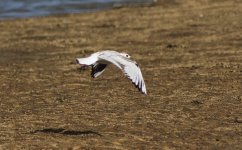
point(190, 54)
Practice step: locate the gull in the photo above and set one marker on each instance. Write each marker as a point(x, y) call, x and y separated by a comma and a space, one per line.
point(100, 60)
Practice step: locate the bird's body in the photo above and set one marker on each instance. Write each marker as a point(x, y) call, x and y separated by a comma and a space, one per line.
point(100, 60)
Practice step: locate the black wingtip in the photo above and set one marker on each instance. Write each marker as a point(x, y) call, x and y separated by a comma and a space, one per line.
point(92, 72)
point(97, 68)
point(93, 75)
point(144, 93)
point(140, 89)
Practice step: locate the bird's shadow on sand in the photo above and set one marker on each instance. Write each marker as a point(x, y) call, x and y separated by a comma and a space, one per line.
point(66, 132)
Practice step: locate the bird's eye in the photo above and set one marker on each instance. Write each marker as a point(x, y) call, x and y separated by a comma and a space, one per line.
point(127, 55)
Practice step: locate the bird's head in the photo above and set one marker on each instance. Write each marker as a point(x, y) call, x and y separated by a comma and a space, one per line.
point(126, 55)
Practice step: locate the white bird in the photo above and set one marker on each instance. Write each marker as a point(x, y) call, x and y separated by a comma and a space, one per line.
point(99, 61)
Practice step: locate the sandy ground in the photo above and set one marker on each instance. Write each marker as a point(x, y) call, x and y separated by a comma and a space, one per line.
point(190, 54)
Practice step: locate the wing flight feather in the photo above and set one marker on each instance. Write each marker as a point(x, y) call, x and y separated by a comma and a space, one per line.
point(97, 69)
point(129, 68)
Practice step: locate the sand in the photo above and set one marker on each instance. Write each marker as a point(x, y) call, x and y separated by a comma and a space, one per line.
point(190, 54)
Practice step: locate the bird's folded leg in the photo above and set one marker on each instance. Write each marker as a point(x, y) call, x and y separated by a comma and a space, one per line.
point(83, 68)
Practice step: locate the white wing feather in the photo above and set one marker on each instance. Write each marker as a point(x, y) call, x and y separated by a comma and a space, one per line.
point(130, 68)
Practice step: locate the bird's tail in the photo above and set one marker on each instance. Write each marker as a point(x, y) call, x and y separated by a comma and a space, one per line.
point(84, 61)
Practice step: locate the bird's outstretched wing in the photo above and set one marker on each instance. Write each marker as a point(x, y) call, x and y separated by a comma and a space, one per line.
point(97, 69)
point(130, 69)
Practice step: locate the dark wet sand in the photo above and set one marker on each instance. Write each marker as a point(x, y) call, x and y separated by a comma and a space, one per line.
point(190, 54)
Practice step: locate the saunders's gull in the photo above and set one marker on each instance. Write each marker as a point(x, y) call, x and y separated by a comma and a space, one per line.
point(99, 61)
